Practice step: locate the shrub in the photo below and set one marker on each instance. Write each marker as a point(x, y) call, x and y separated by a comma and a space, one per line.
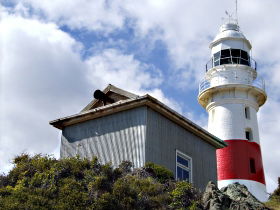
point(159, 172)
point(42, 182)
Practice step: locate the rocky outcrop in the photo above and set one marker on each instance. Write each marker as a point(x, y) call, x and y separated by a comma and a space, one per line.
point(234, 196)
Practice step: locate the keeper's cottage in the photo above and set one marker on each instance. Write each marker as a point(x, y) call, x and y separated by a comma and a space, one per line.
point(118, 125)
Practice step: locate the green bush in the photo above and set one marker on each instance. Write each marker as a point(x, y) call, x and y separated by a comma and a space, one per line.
point(42, 182)
point(185, 196)
point(274, 199)
point(159, 172)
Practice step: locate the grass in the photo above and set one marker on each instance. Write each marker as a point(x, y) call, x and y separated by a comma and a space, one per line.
point(273, 203)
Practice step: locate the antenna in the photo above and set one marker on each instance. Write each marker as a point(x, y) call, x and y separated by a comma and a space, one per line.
point(236, 14)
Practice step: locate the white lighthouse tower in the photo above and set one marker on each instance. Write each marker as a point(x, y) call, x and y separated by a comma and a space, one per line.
point(232, 94)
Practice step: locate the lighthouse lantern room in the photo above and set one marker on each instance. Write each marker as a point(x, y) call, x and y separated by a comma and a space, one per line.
point(232, 93)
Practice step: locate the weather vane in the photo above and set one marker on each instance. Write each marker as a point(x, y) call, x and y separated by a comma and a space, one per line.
point(232, 17)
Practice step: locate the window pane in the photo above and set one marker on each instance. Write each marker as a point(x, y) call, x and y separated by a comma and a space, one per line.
point(225, 61)
point(244, 55)
point(235, 53)
point(225, 53)
point(179, 173)
point(235, 60)
point(217, 63)
point(216, 56)
point(182, 161)
point(244, 62)
point(186, 175)
point(248, 136)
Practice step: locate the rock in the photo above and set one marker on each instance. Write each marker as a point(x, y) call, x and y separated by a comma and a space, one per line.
point(214, 199)
point(234, 196)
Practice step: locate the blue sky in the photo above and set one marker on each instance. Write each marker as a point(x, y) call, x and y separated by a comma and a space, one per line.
point(54, 54)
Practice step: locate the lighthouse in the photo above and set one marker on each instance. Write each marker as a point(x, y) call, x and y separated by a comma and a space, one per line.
point(232, 93)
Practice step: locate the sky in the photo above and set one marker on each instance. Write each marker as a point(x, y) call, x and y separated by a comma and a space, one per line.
point(54, 54)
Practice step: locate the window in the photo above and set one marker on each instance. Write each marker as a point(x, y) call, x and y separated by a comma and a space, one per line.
point(235, 53)
point(231, 56)
point(252, 166)
point(183, 167)
point(225, 53)
point(244, 55)
point(247, 112)
point(248, 134)
point(217, 58)
point(217, 55)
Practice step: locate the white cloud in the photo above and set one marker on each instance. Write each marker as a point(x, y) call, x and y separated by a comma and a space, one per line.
point(39, 65)
point(111, 66)
point(92, 15)
point(124, 71)
point(43, 77)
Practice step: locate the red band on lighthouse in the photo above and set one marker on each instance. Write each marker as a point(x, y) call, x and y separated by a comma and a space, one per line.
point(241, 159)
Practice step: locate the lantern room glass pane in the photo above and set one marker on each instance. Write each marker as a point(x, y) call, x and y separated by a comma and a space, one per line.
point(235, 53)
point(216, 56)
point(217, 63)
point(244, 55)
point(244, 62)
point(235, 60)
point(225, 53)
point(225, 61)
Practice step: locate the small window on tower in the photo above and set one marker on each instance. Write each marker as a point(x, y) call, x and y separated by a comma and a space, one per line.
point(252, 166)
point(248, 134)
point(247, 112)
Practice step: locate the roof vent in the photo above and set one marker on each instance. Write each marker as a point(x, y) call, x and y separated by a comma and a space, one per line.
point(99, 95)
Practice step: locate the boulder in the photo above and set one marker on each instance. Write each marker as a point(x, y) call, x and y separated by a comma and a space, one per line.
point(234, 196)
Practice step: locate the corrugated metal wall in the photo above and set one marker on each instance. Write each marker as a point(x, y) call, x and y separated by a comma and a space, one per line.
point(140, 135)
point(164, 137)
point(112, 138)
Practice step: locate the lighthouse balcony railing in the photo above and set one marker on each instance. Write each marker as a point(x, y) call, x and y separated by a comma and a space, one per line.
point(206, 84)
point(231, 60)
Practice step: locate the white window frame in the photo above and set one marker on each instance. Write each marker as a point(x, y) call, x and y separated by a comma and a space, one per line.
point(183, 155)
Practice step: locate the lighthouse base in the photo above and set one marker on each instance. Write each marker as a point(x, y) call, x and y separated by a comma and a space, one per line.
point(256, 188)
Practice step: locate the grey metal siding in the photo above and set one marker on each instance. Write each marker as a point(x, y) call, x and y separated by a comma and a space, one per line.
point(112, 138)
point(165, 136)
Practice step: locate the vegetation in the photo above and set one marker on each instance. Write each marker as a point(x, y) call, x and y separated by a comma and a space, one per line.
point(42, 182)
point(274, 200)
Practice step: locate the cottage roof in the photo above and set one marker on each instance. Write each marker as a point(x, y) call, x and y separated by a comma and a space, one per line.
point(124, 101)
